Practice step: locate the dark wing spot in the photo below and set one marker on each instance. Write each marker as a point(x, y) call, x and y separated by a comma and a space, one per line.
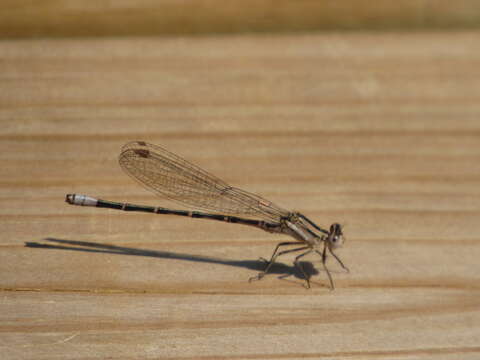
point(142, 152)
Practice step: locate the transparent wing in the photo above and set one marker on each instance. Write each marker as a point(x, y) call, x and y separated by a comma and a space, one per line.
point(174, 178)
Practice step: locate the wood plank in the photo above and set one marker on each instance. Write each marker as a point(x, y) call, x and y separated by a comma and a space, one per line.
point(384, 139)
point(54, 18)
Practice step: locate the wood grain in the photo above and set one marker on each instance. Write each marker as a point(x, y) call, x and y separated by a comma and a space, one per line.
point(376, 131)
point(61, 18)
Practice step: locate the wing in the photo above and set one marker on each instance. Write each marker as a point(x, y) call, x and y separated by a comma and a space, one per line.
point(174, 178)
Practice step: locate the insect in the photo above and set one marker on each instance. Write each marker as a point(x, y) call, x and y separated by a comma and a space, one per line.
point(176, 179)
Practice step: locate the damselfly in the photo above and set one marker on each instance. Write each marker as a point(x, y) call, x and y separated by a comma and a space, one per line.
point(174, 178)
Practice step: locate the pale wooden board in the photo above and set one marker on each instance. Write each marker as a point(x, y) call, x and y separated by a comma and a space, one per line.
point(380, 132)
point(64, 18)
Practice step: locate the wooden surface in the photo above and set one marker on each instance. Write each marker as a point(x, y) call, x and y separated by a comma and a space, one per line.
point(63, 18)
point(378, 132)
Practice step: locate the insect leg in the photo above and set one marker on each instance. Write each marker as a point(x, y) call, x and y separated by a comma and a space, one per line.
point(298, 265)
point(323, 254)
point(274, 256)
point(339, 261)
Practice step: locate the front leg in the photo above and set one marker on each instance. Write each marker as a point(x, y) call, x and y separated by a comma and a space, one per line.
point(339, 261)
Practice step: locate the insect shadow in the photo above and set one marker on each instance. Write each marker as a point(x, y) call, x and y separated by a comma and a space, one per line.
point(92, 247)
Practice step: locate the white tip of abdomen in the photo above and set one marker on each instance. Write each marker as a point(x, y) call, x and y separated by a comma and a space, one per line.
point(82, 200)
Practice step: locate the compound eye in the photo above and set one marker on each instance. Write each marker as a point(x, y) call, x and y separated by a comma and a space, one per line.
point(336, 228)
